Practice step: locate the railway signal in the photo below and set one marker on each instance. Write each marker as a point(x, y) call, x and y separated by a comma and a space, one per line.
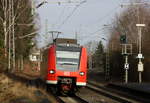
point(126, 51)
point(123, 39)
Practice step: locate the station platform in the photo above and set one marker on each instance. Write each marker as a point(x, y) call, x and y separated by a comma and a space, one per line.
point(140, 87)
point(140, 91)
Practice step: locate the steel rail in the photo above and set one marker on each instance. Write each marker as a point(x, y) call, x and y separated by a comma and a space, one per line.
point(110, 94)
point(71, 99)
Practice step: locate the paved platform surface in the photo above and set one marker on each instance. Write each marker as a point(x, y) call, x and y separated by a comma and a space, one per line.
point(142, 87)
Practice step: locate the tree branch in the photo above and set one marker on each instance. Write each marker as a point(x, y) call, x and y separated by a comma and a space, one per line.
point(2, 19)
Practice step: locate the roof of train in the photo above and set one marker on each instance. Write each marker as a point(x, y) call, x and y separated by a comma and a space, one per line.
point(65, 41)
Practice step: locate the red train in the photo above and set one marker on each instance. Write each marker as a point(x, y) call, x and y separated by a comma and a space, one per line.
point(65, 65)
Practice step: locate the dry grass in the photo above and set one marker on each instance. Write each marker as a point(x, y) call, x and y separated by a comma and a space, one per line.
point(21, 90)
point(11, 90)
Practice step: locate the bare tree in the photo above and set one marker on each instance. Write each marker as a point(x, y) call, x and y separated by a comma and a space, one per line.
point(16, 20)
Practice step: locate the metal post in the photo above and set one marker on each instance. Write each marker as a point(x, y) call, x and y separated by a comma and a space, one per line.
point(140, 77)
point(140, 42)
point(126, 70)
point(140, 56)
point(140, 73)
point(107, 65)
point(126, 78)
point(126, 63)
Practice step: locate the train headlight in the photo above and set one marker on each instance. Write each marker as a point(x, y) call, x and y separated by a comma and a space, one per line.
point(82, 73)
point(51, 71)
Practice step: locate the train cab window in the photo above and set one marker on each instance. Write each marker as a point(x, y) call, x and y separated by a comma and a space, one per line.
point(68, 58)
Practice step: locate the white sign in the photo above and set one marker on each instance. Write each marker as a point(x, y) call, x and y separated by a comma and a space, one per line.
point(140, 67)
point(140, 56)
point(126, 66)
point(140, 24)
point(33, 58)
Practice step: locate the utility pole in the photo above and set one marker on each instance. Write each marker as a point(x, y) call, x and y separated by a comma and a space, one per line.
point(107, 57)
point(107, 72)
point(140, 56)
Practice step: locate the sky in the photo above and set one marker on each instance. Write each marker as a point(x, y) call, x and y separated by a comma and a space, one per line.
point(86, 19)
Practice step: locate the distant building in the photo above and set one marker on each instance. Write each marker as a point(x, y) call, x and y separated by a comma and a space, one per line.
point(35, 55)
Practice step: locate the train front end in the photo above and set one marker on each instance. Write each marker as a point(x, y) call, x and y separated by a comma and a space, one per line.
point(67, 67)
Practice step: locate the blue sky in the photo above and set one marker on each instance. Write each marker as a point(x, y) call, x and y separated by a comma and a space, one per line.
point(87, 18)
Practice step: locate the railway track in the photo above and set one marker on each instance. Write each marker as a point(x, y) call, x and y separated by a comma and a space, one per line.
point(38, 83)
point(75, 98)
point(61, 99)
point(71, 99)
point(110, 94)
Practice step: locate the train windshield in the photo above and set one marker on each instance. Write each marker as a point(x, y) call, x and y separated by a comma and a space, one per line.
point(68, 58)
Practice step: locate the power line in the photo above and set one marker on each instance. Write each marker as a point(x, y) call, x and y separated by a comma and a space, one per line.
point(61, 15)
point(93, 34)
point(100, 20)
point(67, 18)
point(101, 29)
point(97, 31)
point(105, 16)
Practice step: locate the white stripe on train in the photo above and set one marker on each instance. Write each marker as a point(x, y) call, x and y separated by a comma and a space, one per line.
point(81, 83)
point(51, 81)
point(55, 82)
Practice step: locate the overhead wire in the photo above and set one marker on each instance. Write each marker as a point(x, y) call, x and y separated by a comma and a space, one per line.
point(93, 34)
point(61, 15)
point(67, 18)
point(100, 20)
point(107, 15)
point(104, 17)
